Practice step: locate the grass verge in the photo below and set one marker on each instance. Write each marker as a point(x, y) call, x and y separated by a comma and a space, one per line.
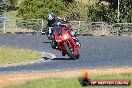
point(11, 14)
point(71, 82)
point(10, 55)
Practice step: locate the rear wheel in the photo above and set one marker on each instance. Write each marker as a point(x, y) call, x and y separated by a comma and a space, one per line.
point(69, 52)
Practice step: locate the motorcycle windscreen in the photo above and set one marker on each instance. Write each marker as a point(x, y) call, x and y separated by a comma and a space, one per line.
point(58, 29)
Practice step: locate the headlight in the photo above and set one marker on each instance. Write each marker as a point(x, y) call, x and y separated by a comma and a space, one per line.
point(58, 40)
point(65, 37)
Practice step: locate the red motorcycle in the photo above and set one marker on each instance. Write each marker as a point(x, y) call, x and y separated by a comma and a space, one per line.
point(66, 43)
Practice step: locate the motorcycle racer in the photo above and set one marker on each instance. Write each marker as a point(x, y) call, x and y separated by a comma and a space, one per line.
point(55, 20)
point(52, 20)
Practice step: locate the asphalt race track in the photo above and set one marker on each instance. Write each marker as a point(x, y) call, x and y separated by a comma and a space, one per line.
point(95, 52)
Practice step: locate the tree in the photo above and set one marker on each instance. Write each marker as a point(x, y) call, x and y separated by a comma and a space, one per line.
point(77, 11)
point(13, 2)
point(125, 10)
point(98, 12)
point(2, 7)
point(40, 8)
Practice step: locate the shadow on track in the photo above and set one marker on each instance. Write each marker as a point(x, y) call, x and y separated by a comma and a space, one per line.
point(47, 42)
point(62, 59)
point(45, 58)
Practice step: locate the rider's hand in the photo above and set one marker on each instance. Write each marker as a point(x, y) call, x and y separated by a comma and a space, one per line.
point(59, 23)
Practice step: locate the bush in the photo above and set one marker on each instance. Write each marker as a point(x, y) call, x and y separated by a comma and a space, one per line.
point(29, 23)
point(77, 11)
point(98, 12)
point(125, 11)
point(2, 7)
point(40, 8)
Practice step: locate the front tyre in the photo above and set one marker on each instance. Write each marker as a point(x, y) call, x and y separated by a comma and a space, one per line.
point(69, 52)
point(78, 56)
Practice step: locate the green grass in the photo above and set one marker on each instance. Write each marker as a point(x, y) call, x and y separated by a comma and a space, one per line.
point(71, 82)
point(11, 14)
point(1, 31)
point(15, 55)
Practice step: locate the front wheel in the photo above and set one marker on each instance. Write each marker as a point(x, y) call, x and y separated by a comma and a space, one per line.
point(69, 52)
point(78, 56)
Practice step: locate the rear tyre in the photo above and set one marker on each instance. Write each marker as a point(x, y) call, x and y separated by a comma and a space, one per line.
point(53, 45)
point(69, 52)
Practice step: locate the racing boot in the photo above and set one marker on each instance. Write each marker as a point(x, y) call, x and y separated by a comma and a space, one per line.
point(53, 45)
point(50, 37)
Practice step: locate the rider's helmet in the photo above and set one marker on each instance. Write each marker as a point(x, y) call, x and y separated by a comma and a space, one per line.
point(51, 17)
